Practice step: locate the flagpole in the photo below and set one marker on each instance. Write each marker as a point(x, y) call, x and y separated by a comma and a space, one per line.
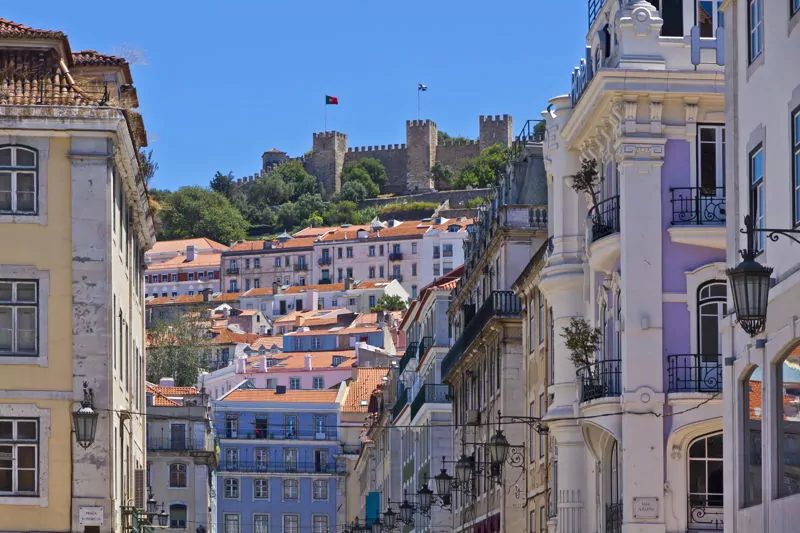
point(326, 117)
point(418, 98)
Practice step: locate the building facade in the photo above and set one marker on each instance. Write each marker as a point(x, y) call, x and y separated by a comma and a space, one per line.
point(75, 223)
point(761, 384)
point(279, 464)
point(183, 267)
point(640, 256)
point(256, 264)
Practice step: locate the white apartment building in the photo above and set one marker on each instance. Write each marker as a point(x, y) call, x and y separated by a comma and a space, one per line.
point(183, 267)
point(761, 379)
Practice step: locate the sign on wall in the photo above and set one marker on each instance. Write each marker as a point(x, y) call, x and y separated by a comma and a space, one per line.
point(645, 507)
point(90, 516)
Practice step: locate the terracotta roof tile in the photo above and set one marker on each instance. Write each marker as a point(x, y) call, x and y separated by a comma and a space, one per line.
point(258, 246)
point(225, 336)
point(365, 318)
point(291, 396)
point(180, 245)
point(161, 395)
point(361, 389)
point(296, 361)
point(267, 342)
point(314, 232)
point(180, 261)
point(10, 28)
point(337, 287)
point(187, 299)
point(94, 58)
point(260, 291)
point(340, 331)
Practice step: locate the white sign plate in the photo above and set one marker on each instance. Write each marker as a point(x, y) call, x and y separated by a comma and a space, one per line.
point(645, 508)
point(90, 516)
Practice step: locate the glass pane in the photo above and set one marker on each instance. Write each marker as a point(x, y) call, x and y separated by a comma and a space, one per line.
point(26, 481)
point(705, 18)
point(698, 449)
point(5, 479)
point(5, 157)
point(5, 292)
point(715, 446)
point(697, 477)
point(5, 191)
point(26, 292)
point(25, 158)
point(26, 457)
point(26, 430)
point(26, 182)
point(709, 332)
point(5, 329)
point(6, 430)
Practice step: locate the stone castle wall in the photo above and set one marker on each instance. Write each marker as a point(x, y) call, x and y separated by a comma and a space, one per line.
point(393, 157)
point(456, 155)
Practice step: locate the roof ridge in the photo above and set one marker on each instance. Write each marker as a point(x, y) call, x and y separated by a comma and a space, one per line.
point(18, 29)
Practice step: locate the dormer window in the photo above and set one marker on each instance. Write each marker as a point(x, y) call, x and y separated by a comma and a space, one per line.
point(337, 360)
point(453, 228)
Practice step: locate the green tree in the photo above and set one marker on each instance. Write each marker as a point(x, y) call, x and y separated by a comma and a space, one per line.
point(586, 179)
point(294, 214)
point(355, 172)
point(582, 340)
point(353, 191)
point(197, 212)
point(221, 183)
point(444, 138)
point(484, 170)
point(390, 302)
point(147, 165)
point(442, 175)
point(293, 173)
point(175, 349)
point(540, 129)
point(375, 169)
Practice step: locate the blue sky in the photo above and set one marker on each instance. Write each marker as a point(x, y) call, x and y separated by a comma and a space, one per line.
point(225, 81)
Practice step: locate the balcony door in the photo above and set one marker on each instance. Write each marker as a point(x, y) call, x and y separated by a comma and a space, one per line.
point(711, 160)
point(711, 307)
point(705, 484)
point(177, 436)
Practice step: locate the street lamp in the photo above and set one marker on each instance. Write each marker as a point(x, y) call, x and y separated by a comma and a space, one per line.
point(464, 468)
point(151, 505)
point(389, 518)
point(425, 497)
point(84, 420)
point(377, 526)
point(406, 511)
point(162, 517)
point(444, 484)
point(498, 447)
point(750, 280)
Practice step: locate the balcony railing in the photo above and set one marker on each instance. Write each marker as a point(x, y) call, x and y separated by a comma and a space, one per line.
point(299, 267)
point(275, 433)
point(532, 132)
point(325, 260)
point(698, 206)
point(499, 304)
point(325, 281)
point(395, 256)
point(694, 373)
point(279, 467)
point(232, 271)
point(705, 512)
point(155, 444)
point(604, 218)
point(429, 394)
point(600, 379)
point(594, 9)
point(398, 277)
point(401, 402)
point(613, 517)
point(410, 353)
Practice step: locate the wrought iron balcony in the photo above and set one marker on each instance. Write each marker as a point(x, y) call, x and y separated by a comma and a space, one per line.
point(395, 256)
point(430, 394)
point(398, 277)
point(313, 467)
point(694, 373)
point(613, 517)
point(698, 206)
point(325, 281)
point(705, 512)
point(600, 379)
point(499, 304)
point(232, 270)
point(410, 353)
point(325, 260)
point(604, 218)
point(155, 444)
point(532, 132)
point(274, 432)
point(300, 267)
point(400, 402)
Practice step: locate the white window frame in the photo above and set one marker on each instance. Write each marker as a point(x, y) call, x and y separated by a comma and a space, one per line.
point(318, 380)
point(261, 457)
point(31, 411)
point(795, 144)
point(15, 443)
point(38, 172)
point(719, 154)
point(260, 523)
point(290, 490)
point(185, 475)
point(42, 278)
point(231, 489)
point(755, 29)
point(261, 486)
point(294, 380)
point(757, 195)
point(186, 510)
point(15, 305)
point(231, 523)
point(296, 528)
point(716, 17)
point(319, 495)
point(316, 343)
point(324, 526)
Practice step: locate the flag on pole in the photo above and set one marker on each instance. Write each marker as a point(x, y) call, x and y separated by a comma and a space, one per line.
point(422, 87)
point(331, 100)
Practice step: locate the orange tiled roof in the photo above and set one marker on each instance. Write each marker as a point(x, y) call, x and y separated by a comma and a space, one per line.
point(454, 222)
point(267, 342)
point(365, 318)
point(180, 261)
point(222, 335)
point(445, 283)
point(12, 29)
point(340, 331)
point(94, 58)
point(260, 291)
point(361, 389)
point(187, 299)
point(343, 234)
point(161, 394)
point(314, 232)
point(295, 361)
point(404, 229)
point(337, 287)
point(318, 317)
point(292, 396)
point(180, 245)
point(258, 246)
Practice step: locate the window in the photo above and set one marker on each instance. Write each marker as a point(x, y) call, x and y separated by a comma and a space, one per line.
point(380, 250)
point(232, 457)
point(349, 272)
point(705, 472)
point(247, 263)
point(711, 161)
point(261, 489)
point(18, 317)
point(290, 421)
point(320, 489)
point(542, 519)
point(257, 262)
point(177, 475)
point(291, 523)
point(299, 343)
point(447, 250)
point(177, 516)
point(17, 180)
point(294, 383)
point(260, 523)
point(231, 488)
point(247, 284)
point(19, 450)
point(231, 523)
point(350, 251)
point(337, 360)
point(339, 253)
point(436, 270)
point(326, 274)
point(794, 6)
point(371, 274)
point(261, 455)
point(231, 286)
point(532, 521)
point(321, 460)
point(381, 272)
point(319, 424)
point(709, 17)
point(334, 303)
point(191, 276)
point(318, 382)
point(542, 435)
point(752, 392)
point(532, 414)
point(173, 277)
point(413, 248)
point(711, 308)
point(372, 300)
point(757, 194)
point(256, 283)
point(277, 262)
point(290, 459)
point(788, 437)
point(413, 269)
point(352, 302)
point(290, 490)
point(436, 253)
point(287, 260)
point(316, 342)
point(755, 21)
point(320, 524)
point(371, 251)
point(796, 161)
point(414, 288)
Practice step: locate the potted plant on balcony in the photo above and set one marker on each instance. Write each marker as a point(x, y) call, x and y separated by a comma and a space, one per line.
point(587, 181)
point(582, 340)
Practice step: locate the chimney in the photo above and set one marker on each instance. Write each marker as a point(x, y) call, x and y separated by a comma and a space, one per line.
point(166, 382)
point(276, 287)
point(308, 361)
point(190, 253)
point(354, 372)
point(300, 321)
point(348, 283)
point(241, 364)
point(280, 389)
point(206, 294)
point(263, 363)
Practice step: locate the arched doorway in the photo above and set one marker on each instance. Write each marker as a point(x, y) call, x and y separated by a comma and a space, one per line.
point(705, 483)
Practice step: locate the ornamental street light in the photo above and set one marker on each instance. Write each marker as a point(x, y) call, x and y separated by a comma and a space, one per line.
point(406, 512)
point(444, 484)
point(377, 526)
point(498, 447)
point(389, 518)
point(84, 420)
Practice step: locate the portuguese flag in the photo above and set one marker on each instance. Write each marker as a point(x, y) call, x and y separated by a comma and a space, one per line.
point(331, 100)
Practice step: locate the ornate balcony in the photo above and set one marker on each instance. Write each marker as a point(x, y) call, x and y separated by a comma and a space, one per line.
point(694, 373)
point(232, 270)
point(600, 380)
point(165, 444)
point(400, 402)
point(698, 206)
point(300, 267)
point(429, 394)
point(705, 513)
point(410, 353)
point(604, 219)
point(325, 260)
point(395, 256)
point(290, 467)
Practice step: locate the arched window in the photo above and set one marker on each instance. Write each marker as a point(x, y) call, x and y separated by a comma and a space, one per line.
point(18, 180)
point(705, 471)
point(788, 419)
point(752, 402)
point(613, 509)
point(177, 475)
point(177, 516)
point(711, 307)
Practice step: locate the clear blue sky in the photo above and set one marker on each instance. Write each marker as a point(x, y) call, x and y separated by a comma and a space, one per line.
point(225, 81)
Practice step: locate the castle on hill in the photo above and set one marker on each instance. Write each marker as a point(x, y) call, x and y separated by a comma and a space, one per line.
point(408, 165)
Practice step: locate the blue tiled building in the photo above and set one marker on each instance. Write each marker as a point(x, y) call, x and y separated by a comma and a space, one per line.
point(278, 469)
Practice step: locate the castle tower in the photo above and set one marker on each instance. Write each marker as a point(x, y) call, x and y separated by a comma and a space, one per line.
point(272, 158)
point(495, 129)
point(327, 160)
point(420, 154)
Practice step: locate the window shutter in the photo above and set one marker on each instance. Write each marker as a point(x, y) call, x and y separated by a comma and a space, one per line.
point(138, 489)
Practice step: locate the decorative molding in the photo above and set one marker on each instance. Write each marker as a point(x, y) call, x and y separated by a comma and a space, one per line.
point(637, 151)
point(57, 395)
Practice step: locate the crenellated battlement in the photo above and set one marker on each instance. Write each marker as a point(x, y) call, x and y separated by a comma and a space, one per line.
point(330, 135)
point(494, 118)
point(376, 148)
point(467, 142)
point(420, 123)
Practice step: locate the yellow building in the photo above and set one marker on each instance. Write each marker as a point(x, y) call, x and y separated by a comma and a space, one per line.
point(74, 225)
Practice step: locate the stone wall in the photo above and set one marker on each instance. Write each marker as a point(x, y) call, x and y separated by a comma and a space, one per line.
point(497, 129)
point(327, 160)
point(421, 139)
point(456, 155)
point(393, 157)
point(456, 198)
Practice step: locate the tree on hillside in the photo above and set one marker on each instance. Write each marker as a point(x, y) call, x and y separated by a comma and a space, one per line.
point(221, 183)
point(356, 172)
point(442, 175)
point(484, 170)
point(444, 138)
point(292, 215)
point(352, 191)
point(375, 169)
point(293, 173)
point(197, 212)
point(390, 302)
point(147, 165)
point(174, 349)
